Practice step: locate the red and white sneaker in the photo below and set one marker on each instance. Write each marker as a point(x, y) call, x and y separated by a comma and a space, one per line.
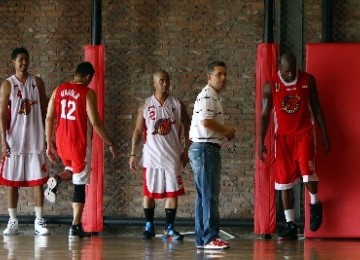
point(217, 244)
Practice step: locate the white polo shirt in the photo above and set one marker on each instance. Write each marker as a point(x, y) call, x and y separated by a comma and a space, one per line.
point(207, 106)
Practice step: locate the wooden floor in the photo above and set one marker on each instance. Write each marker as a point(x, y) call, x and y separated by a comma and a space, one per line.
point(111, 245)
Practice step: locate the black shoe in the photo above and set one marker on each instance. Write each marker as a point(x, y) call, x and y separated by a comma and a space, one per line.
point(289, 232)
point(149, 231)
point(315, 216)
point(76, 231)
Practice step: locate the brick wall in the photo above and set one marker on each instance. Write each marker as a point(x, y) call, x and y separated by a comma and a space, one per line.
point(142, 37)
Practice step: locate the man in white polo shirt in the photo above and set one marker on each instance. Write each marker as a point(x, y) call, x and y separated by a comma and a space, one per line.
point(206, 133)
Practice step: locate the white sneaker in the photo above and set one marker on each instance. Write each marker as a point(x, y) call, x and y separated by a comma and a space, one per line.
point(217, 244)
point(40, 227)
point(50, 191)
point(12, 227)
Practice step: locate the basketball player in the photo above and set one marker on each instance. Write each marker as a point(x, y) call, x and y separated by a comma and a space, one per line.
point(161, 117)
point(293, 96)
point(73, 107)
point(22, 111)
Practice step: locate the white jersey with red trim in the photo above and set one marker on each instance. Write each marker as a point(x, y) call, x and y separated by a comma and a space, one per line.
point(162, 133)
point(25, 128)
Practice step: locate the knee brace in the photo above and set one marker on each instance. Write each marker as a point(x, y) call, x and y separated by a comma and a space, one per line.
point(79, 193)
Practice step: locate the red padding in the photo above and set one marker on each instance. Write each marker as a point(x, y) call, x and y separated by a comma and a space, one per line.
point(92, 218)
point(265, 206)
point(335, 67)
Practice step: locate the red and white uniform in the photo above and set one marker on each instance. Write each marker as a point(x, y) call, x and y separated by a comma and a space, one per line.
point(73, 129)
point(162, 150)
point(25, 136)
point(294, 127)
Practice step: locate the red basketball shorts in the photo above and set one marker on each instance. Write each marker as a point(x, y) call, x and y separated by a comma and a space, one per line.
point(294, 158)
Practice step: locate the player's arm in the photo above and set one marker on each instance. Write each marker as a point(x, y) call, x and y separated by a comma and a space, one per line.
point(43, 99)
point(49, 127)
point(136, 137)
point(318, 113)
point(94, 118)
point(186, 122)
point(267, 106)
point(5, 91)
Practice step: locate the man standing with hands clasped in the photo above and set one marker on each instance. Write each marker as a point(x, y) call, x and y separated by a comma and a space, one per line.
point(207, 132)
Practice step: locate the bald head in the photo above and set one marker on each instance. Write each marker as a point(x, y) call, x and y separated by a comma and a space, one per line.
point(288, 60)
point(288, 66)
point(161, 83)
point(160, 73)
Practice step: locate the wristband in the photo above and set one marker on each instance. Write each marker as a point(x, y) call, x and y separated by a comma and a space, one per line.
point(133, 155)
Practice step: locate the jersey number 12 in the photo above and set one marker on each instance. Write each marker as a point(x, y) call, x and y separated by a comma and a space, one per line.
point(68, 108)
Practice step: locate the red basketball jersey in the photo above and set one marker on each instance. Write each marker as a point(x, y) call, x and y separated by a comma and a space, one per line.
point(72, 124)
point(292, 104)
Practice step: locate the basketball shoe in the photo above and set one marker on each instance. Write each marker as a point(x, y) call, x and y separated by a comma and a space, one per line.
point(76, 232)
point(315, 216)
point(171, 234)
point(40, 227)
point(149, 231)
point(289, 232)
point(52, 186)
point(12, 227)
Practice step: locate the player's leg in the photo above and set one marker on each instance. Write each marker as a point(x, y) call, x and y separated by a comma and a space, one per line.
point(12, 199)
point(170, 233)
point(310, 179)
point(40, 227)
point(80, 178)
point(174, 188)
point(286, 176)
point(149, 211)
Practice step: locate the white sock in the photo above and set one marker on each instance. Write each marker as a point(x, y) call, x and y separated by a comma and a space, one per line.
point(289, 215)
point(12, 213)
point(38, 212)
point(313, 198)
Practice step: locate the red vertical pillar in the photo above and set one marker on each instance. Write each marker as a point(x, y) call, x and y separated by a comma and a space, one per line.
point(92, 218)
point(265, 206)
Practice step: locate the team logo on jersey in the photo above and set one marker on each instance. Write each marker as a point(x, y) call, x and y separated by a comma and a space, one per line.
point(25, 106)
point(163, 126)
point(290, 104)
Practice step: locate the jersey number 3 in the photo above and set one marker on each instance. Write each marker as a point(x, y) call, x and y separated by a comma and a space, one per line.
point(67, 109)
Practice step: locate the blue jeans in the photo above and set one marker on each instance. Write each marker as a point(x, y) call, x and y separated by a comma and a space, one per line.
point(205, 161)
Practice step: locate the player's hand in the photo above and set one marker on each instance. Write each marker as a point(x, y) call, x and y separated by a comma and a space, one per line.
point(51, 154)
point(229, 133)
point(184, 158)
point(133, 163)
point(5, 149)
point(326, 144)
point(113, 151)
point(262, 151)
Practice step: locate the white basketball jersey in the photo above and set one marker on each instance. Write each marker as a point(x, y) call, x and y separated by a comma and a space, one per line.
point(26, 129)
point(163, 126)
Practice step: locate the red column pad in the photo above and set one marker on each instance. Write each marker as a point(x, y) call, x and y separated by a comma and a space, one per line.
point(265, 207)
point(92, 218)
point(335, 67)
